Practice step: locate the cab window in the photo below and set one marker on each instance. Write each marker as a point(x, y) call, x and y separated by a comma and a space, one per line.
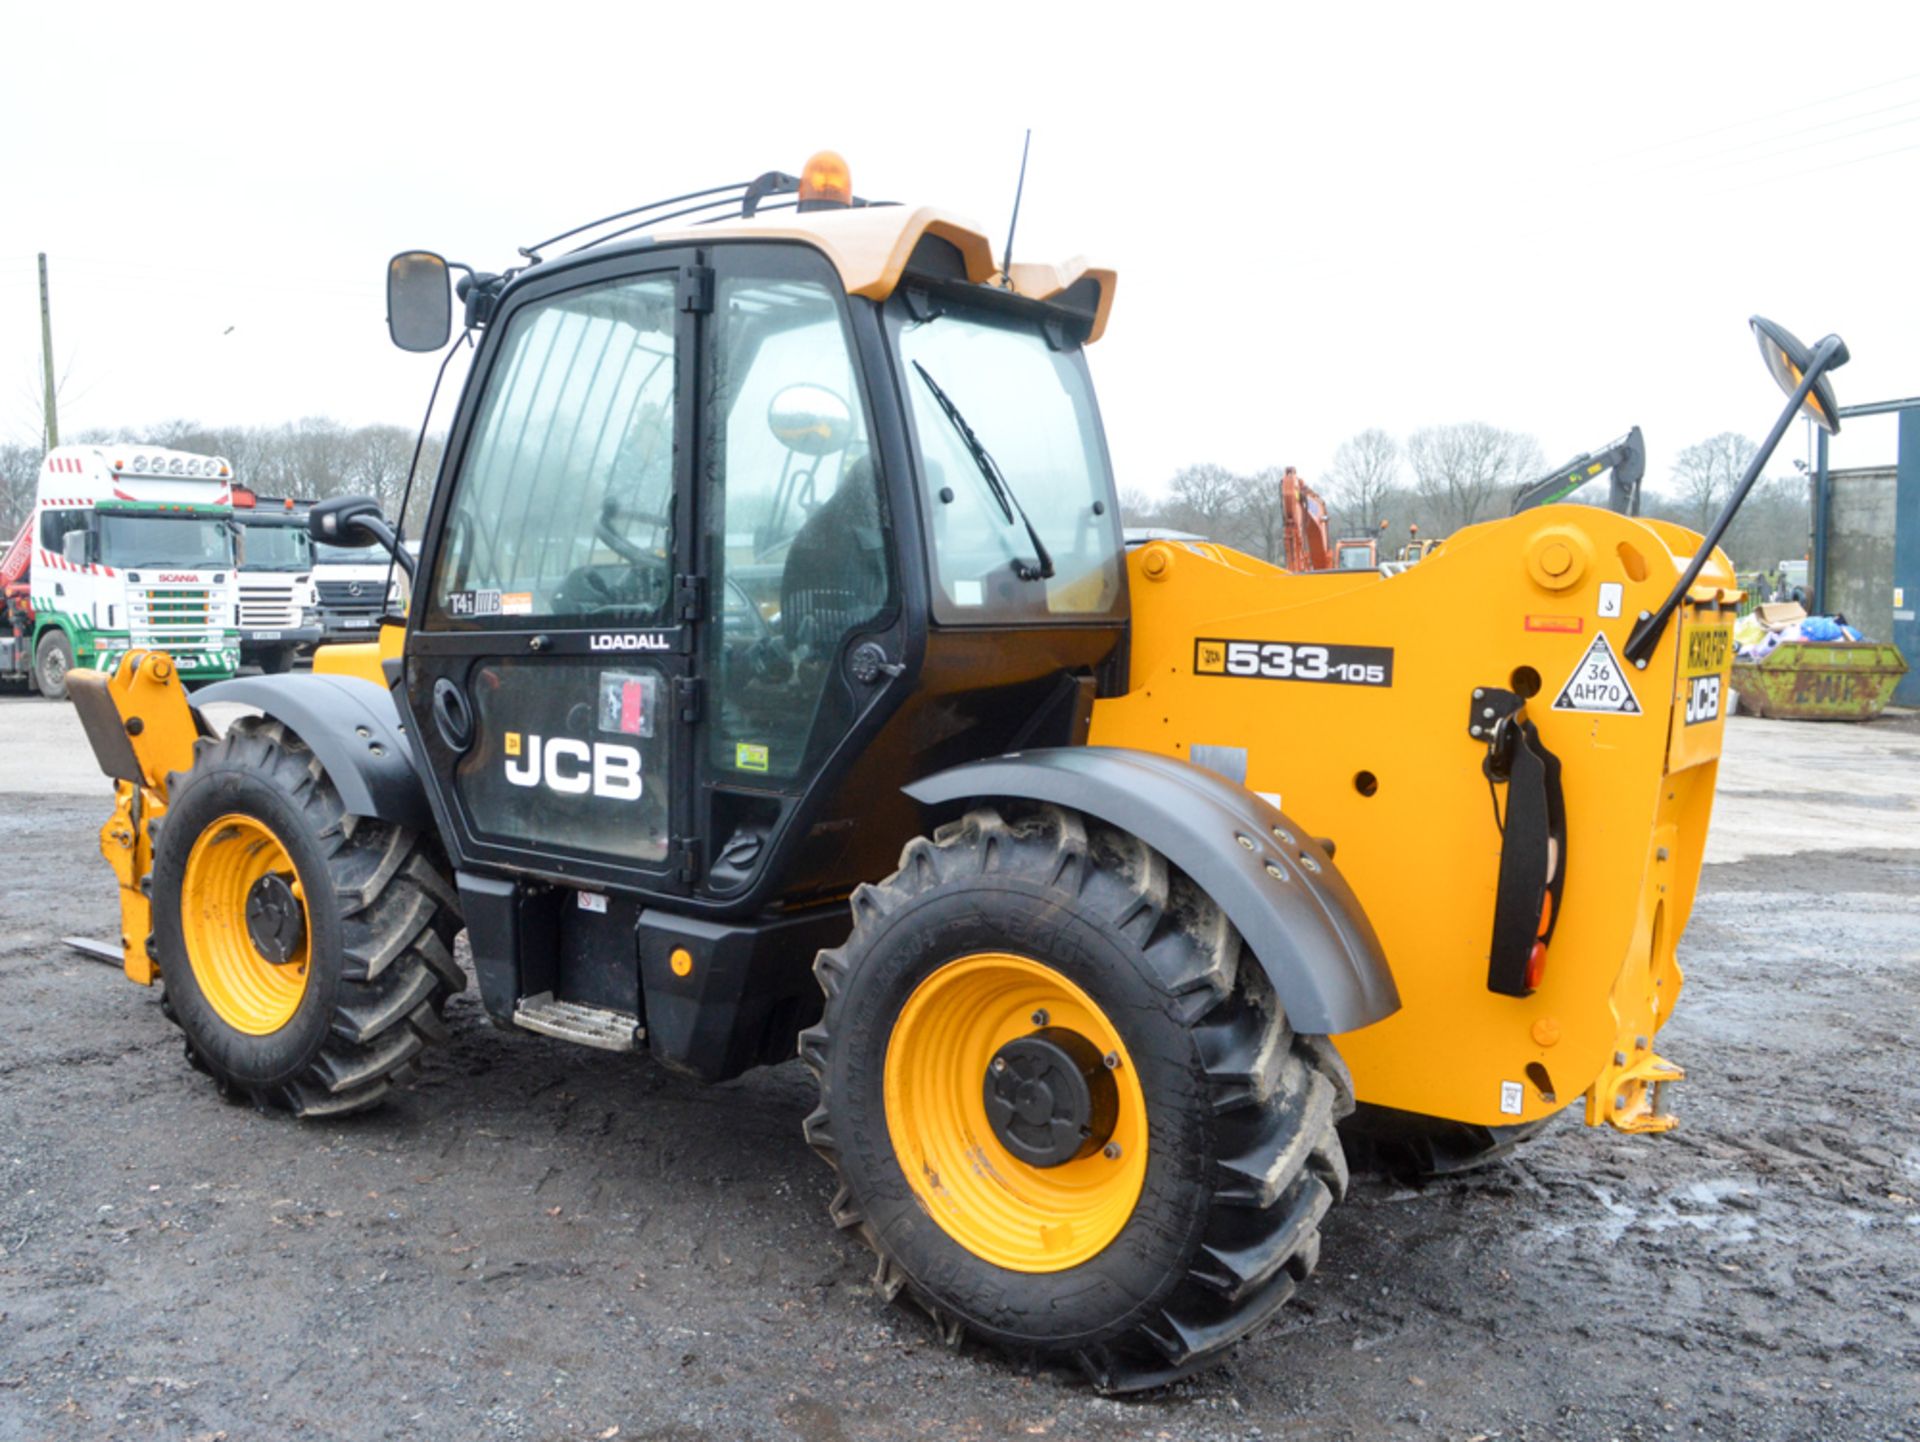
point(1004, 423)
point(797, 532)
point(563, 509)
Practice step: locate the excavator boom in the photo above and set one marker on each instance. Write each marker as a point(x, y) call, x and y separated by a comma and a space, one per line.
point(1625, 456)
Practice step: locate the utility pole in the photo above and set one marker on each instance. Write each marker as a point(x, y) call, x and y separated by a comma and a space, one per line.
point(51, 414)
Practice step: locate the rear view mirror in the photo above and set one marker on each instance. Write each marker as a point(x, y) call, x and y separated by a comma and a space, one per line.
point(357, 521)
point(419, 300)
point(810, 419)
point(73, 548)
point(1789, 360)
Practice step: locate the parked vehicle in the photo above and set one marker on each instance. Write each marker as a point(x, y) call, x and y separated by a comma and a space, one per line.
point(353, 589)
point(278, 607)
point(777, 677)
point(127, 546)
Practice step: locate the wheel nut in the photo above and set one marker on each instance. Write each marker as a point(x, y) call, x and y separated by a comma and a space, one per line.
point(999, 1064)
point(1112, 1059)
point(1040, 1017)
point(1111, 1151)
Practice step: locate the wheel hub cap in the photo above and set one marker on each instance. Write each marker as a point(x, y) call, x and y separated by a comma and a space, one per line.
point(275, 924)
point(1049, 1098)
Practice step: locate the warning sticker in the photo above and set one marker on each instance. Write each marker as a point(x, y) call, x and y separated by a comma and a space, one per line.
point(1512, 1096)
point(1598, 683)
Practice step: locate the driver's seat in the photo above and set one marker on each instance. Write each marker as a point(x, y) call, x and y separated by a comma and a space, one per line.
point(836, 572)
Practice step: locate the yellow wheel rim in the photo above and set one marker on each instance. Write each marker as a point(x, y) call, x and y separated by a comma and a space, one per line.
point(246, 990)
point(1002, 1209)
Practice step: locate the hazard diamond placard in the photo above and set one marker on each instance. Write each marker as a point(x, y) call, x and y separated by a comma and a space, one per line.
point(1599, 683)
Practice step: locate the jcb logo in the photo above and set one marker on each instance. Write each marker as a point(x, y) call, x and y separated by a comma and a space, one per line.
point(574, 768)
point(1703, 699)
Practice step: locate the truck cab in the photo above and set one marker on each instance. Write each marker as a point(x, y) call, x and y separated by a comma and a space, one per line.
point(354, 587)
point(127, 546)
point(278, 606)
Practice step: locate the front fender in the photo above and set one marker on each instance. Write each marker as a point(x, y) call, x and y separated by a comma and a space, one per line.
point(1304, 926)
point(352, 727)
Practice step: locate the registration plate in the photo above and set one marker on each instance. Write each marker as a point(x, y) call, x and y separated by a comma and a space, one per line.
point(360, 622)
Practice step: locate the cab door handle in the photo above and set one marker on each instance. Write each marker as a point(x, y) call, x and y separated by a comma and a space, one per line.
point(452, 716)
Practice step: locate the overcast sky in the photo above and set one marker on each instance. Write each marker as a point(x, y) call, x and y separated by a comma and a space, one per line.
point(1324, 218)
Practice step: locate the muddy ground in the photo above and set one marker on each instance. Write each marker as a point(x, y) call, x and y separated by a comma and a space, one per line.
point(538, 1241)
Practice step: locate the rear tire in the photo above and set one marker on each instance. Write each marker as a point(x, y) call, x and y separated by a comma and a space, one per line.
point(1242, 1158)
point(52, 659)
point(376, 963)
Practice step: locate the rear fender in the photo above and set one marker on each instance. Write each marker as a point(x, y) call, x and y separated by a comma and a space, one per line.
point(1277, 886)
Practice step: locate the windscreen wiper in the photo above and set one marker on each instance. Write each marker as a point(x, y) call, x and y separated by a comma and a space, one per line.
point(996, 483)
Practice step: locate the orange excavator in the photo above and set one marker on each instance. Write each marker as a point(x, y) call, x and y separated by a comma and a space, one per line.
point(1307, 546)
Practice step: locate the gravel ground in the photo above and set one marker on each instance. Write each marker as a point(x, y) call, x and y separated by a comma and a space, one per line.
point(538, 1241)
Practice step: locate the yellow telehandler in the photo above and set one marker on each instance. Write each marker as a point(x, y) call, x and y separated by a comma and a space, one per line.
point(775, 675)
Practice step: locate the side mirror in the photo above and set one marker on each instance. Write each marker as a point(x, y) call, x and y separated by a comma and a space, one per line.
point(73, 548)
point(356, 521)
point(810, 419)
point(1789, 359)
point(419, 300)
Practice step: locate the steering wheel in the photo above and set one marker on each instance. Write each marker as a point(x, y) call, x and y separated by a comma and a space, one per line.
point(620, 544)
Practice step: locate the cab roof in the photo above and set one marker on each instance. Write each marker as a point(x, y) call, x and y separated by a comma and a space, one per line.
point(871, 245)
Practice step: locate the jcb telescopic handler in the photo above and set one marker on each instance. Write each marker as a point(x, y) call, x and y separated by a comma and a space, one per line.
point(776, 675)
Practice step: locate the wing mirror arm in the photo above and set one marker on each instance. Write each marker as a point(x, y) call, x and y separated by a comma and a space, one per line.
point(354, 521)
point(1829, 354)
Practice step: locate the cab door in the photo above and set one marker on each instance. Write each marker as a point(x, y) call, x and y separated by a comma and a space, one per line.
point(548, 665)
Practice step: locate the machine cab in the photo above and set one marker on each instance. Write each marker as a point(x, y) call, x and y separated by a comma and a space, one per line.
point(741, 525)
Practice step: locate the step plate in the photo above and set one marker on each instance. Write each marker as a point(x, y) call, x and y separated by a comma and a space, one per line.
point(586, 1025)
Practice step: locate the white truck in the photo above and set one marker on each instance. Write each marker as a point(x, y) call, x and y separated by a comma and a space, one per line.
point(355, 588)
point(279, 616)
point(127, 545)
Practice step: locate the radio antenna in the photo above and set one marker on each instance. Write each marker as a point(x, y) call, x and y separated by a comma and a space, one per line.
point(1006, 265)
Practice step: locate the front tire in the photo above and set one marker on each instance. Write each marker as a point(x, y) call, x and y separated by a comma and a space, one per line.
point(52, 659)
point(306, 953)
point(1193, 1209)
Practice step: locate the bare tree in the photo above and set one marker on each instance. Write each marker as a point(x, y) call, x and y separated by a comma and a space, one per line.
point(1366, 471)
point(1205, 498)
point(19, 473)
point(377, 458)
point(1137, 508)
point(1706, 473)
point(1263, 515)
point(1462, 471)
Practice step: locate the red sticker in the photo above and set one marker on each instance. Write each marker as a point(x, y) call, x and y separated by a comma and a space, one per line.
point(630, 716)
point(1567, 625)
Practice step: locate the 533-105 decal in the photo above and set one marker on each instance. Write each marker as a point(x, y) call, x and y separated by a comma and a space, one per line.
point(1294, 661)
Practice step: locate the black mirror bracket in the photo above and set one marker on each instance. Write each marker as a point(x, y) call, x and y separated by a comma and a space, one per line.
point(1829, 354)
point(355, 520)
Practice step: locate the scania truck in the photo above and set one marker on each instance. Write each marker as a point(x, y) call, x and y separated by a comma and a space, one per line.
point(126, 546)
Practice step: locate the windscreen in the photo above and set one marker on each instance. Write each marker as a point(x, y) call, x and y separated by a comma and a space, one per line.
point(1029, 407)
point(275, 548)
point(188, 542)
point(327, 554)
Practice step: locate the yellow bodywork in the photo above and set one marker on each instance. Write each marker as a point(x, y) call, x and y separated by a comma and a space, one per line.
point(1391, 775)
point(362, 659)
point(149, 708)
